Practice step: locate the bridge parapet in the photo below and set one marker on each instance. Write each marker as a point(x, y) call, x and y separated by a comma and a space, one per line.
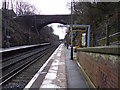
point(43, 20)
point(101, 64)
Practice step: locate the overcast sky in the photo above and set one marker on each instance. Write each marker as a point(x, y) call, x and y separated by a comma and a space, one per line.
point(51, 6)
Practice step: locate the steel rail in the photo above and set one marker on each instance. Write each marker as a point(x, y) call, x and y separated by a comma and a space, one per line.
point(22, 67)
point(11, 62)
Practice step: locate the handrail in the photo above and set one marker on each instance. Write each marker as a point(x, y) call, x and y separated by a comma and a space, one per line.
point(109, 36)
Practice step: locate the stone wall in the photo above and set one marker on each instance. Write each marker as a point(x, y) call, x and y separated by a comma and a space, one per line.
point(100, 65)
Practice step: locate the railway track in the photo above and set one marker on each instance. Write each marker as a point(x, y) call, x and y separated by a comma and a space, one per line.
point(18, 70)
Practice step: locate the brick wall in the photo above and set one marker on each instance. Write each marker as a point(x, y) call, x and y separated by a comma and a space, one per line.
point(102, 69)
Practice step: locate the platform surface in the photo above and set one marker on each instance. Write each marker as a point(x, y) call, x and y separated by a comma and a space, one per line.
point(19, 47)
point(75, 78)
point(63, 72)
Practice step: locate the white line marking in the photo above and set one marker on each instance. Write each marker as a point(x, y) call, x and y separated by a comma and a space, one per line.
point(52, 73)
point(59, 54)
point(40, 70)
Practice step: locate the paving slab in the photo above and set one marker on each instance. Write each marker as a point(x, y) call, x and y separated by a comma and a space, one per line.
point(75, 78)
point(63, 73)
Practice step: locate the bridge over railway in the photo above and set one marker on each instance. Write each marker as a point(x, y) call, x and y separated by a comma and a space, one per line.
point(43, 20)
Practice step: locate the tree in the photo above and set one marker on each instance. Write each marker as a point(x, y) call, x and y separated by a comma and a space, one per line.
point(24, 8)
point(97, 14)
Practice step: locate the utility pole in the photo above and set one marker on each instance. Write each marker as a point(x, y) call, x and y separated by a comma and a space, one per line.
point(6, 26)
point(107, 34)
point(36, 28)
point(107, 31)
point(29, 36)
point(5, 29)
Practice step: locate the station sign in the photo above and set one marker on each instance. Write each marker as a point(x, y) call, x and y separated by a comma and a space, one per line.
point(79, 28)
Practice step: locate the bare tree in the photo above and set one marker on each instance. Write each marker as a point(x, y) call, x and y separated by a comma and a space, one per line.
point(24, 8)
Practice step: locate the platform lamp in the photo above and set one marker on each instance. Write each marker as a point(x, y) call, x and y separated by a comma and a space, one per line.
point(71, 25)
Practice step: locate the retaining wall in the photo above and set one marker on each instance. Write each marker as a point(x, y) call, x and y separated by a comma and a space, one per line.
point(101, 64)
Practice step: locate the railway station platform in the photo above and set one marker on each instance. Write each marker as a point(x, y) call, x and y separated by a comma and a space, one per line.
point(19, 47)
point(63, 73)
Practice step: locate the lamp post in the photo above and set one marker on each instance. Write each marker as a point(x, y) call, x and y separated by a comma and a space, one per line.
point(71, 29)
point(6, 29)
point(71, 56)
